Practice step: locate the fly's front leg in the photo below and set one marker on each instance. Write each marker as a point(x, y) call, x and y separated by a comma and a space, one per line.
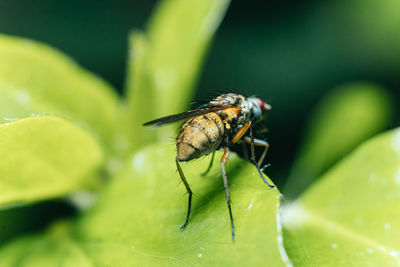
point(239, 135)
point(228, 198)
point(253, 158)
point(258, 142)
point(240, 132)
point(188, 190)
point(245, 153)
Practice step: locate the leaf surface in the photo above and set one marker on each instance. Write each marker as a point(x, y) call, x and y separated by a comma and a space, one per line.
point(35, 78)
point(137, 219)
point(45, 157)
point(350, 217)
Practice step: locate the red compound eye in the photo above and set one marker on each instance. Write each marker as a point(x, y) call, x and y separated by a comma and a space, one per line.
point(262, 105)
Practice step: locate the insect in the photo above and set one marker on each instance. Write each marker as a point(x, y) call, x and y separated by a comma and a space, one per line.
point(221, 123)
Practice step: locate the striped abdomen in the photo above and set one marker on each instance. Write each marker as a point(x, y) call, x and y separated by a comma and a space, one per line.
point(200, 136)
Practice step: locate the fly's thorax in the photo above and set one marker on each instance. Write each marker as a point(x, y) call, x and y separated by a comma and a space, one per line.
point(199, 136)
point(228, 99)
point(229, 115)
point(236, 116)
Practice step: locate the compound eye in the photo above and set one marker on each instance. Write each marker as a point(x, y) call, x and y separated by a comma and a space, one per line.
point(263, 105)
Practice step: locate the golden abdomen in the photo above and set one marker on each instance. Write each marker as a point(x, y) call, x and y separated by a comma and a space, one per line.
point(199, 136)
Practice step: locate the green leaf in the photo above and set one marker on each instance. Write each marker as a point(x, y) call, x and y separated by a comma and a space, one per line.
point(350, 217)
point(345, 118)
point(53, 249)
point(136, 221)
point(35, 78)
point(376, 25)
point(45, 157)
point(164, 64)
point(16, 220)
point(141, 92)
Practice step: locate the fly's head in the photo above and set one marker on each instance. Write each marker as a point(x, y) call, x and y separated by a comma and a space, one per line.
point(257, 108)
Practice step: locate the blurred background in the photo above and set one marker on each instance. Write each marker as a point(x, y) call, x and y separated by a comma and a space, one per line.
point(289, 53)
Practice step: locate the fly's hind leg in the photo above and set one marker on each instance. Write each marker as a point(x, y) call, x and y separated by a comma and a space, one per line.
point(209, 166)
point(253, 157)
point(228, 198)
point(188, 190)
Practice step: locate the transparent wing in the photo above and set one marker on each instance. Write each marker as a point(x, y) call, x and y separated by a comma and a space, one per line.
point(183, 116)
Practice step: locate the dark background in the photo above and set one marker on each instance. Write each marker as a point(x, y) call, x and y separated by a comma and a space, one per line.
point(288, 53)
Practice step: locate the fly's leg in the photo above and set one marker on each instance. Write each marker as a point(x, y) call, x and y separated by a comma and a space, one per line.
point(258, 142)
point(239, 135)
point(209, 166)
point(241, 132)
point(245, 153)
point(228, 198)
point(253, 158)
point(188, 190)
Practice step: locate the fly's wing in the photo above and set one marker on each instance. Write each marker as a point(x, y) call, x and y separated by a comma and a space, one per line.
point(183, 116)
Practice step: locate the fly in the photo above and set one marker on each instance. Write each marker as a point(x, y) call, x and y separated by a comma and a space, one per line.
point(221, 123)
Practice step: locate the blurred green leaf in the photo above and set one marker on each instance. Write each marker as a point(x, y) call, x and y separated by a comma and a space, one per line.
point(35, 78)
point(54, 248)
point(346, 117)
point(164, 64)
point(137, 219)
point(140, 92)
point(376, 25)
point(350, 216)
point(45, 157)
point(16, 220)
